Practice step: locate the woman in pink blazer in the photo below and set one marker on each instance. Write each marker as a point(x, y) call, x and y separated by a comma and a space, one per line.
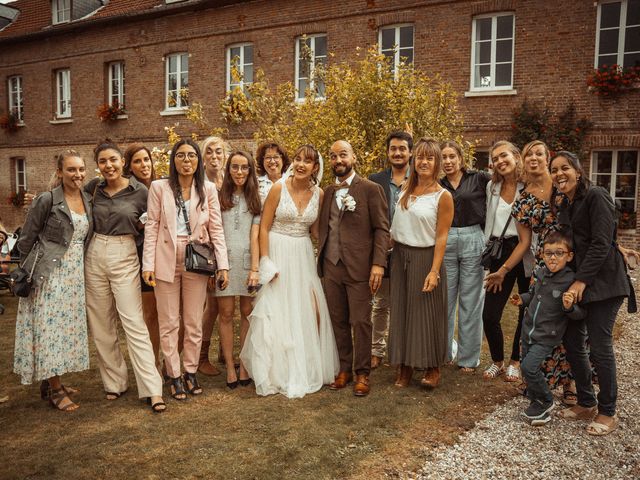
point(166, 237)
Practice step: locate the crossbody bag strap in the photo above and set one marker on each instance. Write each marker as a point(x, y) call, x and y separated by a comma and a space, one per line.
point(184, 214)
point(37, 244)
point(506, 225)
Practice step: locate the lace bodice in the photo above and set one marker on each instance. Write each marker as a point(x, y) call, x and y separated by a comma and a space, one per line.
point(288, 221)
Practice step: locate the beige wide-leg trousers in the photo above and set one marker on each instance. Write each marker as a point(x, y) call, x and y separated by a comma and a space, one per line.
point(112, 282)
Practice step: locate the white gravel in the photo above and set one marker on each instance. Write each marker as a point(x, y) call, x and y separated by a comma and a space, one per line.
point(503, 446)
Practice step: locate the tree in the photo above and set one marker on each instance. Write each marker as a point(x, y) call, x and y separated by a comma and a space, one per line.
point(363, 102)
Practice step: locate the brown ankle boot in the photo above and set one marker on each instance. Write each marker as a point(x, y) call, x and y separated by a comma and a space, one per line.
point(205, 367)
point(431, 377)
point(403, 378)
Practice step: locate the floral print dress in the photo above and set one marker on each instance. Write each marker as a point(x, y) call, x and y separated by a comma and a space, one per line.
point(535, 213)
point(51, 326)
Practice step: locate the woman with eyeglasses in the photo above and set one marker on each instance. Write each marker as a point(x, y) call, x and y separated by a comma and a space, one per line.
point(240, 205)
point(182, 209)
point(272, 162)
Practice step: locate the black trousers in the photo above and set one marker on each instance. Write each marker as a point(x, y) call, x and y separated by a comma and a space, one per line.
point(494, 304)
point(598, 326)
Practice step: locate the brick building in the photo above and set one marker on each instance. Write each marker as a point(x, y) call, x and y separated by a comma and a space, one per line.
point(61, 59)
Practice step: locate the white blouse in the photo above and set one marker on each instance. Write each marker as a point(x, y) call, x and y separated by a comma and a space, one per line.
point(416, 226)
point(502, 215)
point(181, 226)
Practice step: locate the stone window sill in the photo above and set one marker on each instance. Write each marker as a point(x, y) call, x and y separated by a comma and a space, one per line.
point(60, 121)
point(489, 93)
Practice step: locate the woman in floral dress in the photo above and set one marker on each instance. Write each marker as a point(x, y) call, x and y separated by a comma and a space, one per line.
point(51, 326)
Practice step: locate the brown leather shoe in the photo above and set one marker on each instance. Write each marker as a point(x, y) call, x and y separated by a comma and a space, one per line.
point(431, 377)
point(403, 377)
point(206, 368)
point(375, 362)
point(341, 381)
point(361, 387)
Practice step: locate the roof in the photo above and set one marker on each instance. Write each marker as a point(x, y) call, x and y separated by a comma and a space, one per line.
point(34, 16)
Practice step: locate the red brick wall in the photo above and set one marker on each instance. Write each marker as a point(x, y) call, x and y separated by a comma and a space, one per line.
point(554, 53)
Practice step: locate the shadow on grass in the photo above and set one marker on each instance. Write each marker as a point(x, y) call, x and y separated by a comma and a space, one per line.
point(234, 434)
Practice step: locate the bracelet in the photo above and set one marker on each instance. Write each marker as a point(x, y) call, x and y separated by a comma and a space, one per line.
point(437, 274)
point(504, 265)
point(254, 270)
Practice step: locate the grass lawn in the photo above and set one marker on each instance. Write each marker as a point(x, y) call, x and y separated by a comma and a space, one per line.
point(234, 434)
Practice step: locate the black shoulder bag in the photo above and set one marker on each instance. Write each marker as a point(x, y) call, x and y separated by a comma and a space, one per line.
point(198, 257)
point(21, 279)
point(493, 250)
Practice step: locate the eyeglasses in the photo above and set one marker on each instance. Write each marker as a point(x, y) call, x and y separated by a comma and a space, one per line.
point(273, 158)
point(238, 168)
point(191, 156)
point(554, 253)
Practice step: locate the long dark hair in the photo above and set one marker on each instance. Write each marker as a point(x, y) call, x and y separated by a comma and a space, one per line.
point(128, 156)
point(425, 146)
point(583, 181)
point(198, 176)
point(250, 187)
point(262, 151)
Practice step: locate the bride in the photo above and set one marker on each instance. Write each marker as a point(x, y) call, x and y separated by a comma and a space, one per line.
point(290, 347)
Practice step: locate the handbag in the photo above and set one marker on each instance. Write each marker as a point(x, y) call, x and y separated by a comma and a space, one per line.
point(493, 250)
point(21, 280)
point(198, 257)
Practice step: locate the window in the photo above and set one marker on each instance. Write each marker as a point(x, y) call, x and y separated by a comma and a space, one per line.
point(618, 39)
point(177, 81)
point(21, 174)
point(617, 171)
point(239, 66)
point(396, 43)
point(116, 84)
point(63, 93)
point(492, 52)
point(311, 58)
point(60, 11)
point(15, 97)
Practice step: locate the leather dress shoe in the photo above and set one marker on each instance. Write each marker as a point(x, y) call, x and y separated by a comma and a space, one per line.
point(403, 376)
point(376, 361)
point(361, 387)
point(431, 377)
point(341, 381)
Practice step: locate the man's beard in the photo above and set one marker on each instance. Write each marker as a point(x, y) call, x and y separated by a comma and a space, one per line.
point(346, 172)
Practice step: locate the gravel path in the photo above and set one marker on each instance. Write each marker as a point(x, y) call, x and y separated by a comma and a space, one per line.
point(503, 446)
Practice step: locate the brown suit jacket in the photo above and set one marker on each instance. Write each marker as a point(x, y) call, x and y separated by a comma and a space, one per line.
point(364, 233)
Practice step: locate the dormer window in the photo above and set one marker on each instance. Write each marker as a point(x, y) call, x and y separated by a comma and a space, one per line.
point(60, 11)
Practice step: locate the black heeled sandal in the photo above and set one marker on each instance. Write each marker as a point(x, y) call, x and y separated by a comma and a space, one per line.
point(157, 407)
point(191, 383)
point(245, 382)
point(177, 389)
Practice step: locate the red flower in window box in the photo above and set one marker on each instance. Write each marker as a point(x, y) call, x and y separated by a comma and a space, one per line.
point(9, 122)
point(110, 112)
point(612, 79)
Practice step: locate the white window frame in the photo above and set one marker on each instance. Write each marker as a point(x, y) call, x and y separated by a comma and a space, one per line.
point(178, 73)
point(622, 28)
point(396, 53)
point(614, 172)
point(14, 89)
point(60, 11)
point(300, 96)
point(21, 174)
point(63, 93)
point(492, 72)
point(241, 66)
point(117, 76)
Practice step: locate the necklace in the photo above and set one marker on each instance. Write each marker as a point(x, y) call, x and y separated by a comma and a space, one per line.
point(422, 189)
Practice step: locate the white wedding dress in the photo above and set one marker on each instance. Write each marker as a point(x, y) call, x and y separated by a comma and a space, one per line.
point(290, 347)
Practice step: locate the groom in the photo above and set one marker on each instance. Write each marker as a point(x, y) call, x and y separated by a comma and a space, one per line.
point(354, 238)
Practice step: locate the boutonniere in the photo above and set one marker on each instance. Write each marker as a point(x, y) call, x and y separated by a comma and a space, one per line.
point(348, 203)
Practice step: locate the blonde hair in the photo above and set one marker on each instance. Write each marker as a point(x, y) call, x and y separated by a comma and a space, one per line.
point(213, 140)
point(515, 151)
point(55, 180)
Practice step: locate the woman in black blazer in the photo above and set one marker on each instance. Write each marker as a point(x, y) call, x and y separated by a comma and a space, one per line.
point(601, 286)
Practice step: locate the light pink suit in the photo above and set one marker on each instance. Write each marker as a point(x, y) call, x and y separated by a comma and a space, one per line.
point(164, 255)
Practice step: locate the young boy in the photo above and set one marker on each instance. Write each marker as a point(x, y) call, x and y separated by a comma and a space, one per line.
point(549, 306)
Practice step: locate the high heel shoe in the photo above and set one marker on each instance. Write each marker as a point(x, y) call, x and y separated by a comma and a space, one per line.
point(245, 382)
point(232, 385)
